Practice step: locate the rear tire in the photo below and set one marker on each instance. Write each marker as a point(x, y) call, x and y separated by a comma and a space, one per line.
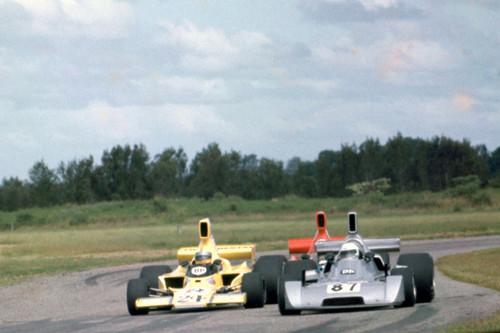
point(408, 285)
point(254, 286)
point(151, 273)
point(282, 296)
point(136, 288)
point(271, 268)
point(423, 269)
point(295, 268)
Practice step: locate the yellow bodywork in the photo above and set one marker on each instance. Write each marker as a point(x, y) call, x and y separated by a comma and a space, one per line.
point(177, 290)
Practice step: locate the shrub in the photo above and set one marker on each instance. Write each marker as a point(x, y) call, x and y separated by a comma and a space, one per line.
point(480, 199)
point(465, 186)
point(218, 196)
point(159, 206)
point(370, 187)
point(78, 219)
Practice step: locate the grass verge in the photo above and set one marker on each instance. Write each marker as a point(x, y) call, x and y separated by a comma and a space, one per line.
point(476, 268)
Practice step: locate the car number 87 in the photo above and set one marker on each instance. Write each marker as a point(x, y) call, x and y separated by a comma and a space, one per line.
point(343, 288)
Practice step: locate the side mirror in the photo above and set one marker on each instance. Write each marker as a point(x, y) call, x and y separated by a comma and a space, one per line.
point(329, 257)
point(369, 255)
point(184, 263)
point(311, 276)
point(217, 262)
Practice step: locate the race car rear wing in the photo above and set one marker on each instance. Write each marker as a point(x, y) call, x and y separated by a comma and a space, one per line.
point(207, 244)
point(306, 245)
point(242, 251)
point(372, 244)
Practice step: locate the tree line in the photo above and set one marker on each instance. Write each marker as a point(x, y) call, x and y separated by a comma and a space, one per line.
point(128, 173)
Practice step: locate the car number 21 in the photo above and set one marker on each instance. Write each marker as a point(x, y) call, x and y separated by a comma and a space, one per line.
point(343, 288)
point(189, 299)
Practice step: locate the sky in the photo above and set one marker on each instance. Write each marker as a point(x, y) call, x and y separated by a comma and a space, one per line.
point(279, 79)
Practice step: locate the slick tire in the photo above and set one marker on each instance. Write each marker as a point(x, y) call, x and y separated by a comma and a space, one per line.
point(423, 269)
point(271, 268)
point(295, 268)
point(136, 288)
point(408, 285)
point(282, 296)
point(254, 286)
point(151, 273)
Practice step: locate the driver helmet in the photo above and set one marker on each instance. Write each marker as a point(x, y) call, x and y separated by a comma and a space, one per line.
point(348, 250)
point(202, 258)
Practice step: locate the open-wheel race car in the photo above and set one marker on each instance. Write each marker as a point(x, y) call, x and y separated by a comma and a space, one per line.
point(204, 278)
point(356, 273)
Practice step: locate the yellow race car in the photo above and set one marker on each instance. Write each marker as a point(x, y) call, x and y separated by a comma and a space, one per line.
point(204, 278)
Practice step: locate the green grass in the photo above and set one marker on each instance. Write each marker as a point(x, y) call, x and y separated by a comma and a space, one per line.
point(71, 237)
point(160, 211)
point(477, 268)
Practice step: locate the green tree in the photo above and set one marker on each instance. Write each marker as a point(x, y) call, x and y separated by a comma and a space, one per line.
point(233, 180)
point(44, 184)
point(302, 177)
point(138, 180)
point(347, 168)
point(208, 172)
point(14, 195)
point(76, 179)
point(271, 179)
point(168, 171)
point(494, 163)
point(371, 160)
point(327, 181)
point(399, 157)
point(124, 173)
point(248, 175)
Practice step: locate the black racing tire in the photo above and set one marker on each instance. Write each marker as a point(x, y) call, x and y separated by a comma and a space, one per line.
point(408, 285)
point(271, 268)
point(254, 286)
point(282, 296)
point(136, 288)
point(423, 269)
point(151, 273)
point(295, 268)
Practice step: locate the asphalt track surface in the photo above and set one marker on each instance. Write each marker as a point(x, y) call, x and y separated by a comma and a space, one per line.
point(95, 301)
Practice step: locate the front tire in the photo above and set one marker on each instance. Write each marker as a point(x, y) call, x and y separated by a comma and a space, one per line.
point(282, 296)
point(254, 286)
point(408, 285)
point(136, 288)
point(271, 268)
point(423, 269)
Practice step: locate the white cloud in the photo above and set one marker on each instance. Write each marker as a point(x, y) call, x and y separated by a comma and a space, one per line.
point(398, 57)
point(318, 85)
point(214, 89)
point(371, 5)
point(91, 18)
point(464, 101)
point(376, 4)
point(209, 49)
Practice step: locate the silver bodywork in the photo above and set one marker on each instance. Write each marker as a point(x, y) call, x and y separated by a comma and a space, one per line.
point(363, 281)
